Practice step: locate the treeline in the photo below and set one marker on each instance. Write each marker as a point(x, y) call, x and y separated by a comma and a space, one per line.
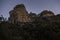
point(37, 30)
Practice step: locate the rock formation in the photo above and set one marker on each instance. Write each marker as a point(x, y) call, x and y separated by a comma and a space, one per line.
point(19, 14)
point(46, 13)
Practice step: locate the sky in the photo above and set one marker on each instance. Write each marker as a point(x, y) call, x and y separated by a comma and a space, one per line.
point(35, 6)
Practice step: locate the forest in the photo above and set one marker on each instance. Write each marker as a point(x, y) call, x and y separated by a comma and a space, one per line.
point(40, 29)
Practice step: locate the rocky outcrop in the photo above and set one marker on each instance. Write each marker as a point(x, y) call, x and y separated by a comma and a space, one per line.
point(46, 13)
point(19, 14)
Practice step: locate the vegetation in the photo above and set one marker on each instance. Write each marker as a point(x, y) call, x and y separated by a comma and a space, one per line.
point(37, 30)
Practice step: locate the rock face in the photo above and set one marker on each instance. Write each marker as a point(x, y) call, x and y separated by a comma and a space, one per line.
point(32, 16)
point(19, 14)
point(46, 13)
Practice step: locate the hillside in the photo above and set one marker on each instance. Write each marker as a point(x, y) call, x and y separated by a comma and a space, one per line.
point(40, 29)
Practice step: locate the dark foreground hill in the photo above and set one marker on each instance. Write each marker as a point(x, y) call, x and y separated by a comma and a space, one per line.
point(30, 31)
point(42, 28)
